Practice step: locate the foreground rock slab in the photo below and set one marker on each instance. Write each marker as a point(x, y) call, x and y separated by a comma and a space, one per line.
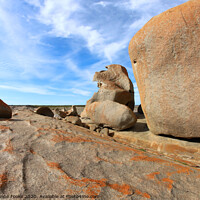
point(42, 156)
point(5, 110)
point(165, 59)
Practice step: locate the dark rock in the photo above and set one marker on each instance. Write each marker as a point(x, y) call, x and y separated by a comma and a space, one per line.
point(44, 110)
point(140, 111)
point(5, 110)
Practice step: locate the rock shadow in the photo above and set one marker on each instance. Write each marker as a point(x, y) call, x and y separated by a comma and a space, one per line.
point(139, 116)
point(194, 140)
point(138, 127)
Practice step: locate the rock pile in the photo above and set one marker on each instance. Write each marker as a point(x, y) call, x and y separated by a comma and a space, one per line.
point(165, 59)
point(112, 105)
point(5, 110)
point(67, 115)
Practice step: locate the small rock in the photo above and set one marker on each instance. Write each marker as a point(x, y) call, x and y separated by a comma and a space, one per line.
point(104, 131)
point(44, 110)
point(56, 116)
point(98, 130)
point(93, 127)
point(5, 110)
point(72, 111)
point(74, 120)
point(62, 114)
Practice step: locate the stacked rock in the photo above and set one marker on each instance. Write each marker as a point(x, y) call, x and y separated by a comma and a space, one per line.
point(112, 105)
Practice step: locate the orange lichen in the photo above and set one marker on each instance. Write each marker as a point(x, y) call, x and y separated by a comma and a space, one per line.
point(93, 190)
point(94, 186)
point(169, 182)
point(3, 179)
point(142, 194)
point(33, 152)
point(146, 158)
point(4, 128)
point(54, 165)
point(124, 189)
point(182, 169)
point(9, 147)
point(152, 175)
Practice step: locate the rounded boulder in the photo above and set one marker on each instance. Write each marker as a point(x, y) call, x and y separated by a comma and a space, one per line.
point(165, 56)
point(111, 113)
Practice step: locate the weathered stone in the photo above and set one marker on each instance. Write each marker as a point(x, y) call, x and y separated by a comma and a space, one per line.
point(104, 131)
point(41, 157)
point(62, 114)
point(117, 95)
point(115, 115)
point(115, 86)
point(5, 110)
point(93, 127)
point(165, 56)
point(57, 116)
point(116, 74)
point(74, 120)
point(115, 77)
point(72, 111)
point(44, 110)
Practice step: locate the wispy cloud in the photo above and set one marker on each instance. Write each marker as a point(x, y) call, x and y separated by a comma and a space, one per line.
point(28, 89)
point(50, 47)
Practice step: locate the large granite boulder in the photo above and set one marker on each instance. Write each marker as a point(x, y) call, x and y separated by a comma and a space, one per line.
point(165, 56)
point(111, 113)
point(5, 110)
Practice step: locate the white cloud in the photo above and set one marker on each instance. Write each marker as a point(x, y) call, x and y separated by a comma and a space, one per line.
point(102, 27)
point(28, 89)
point(141, 4)
point(102, 3)
point(20, 54)
point(80, 92)
point(104, 33)
point(61, 16)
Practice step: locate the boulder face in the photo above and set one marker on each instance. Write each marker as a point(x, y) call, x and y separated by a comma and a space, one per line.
point(165, 56)
point(5, 110)
point(111, 113)
point(116, 77)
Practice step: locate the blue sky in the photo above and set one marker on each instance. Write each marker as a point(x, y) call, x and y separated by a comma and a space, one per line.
point(50, 49)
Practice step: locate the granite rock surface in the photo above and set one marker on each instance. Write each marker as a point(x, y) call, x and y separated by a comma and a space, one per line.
point(42, 156)
point(165, 59)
